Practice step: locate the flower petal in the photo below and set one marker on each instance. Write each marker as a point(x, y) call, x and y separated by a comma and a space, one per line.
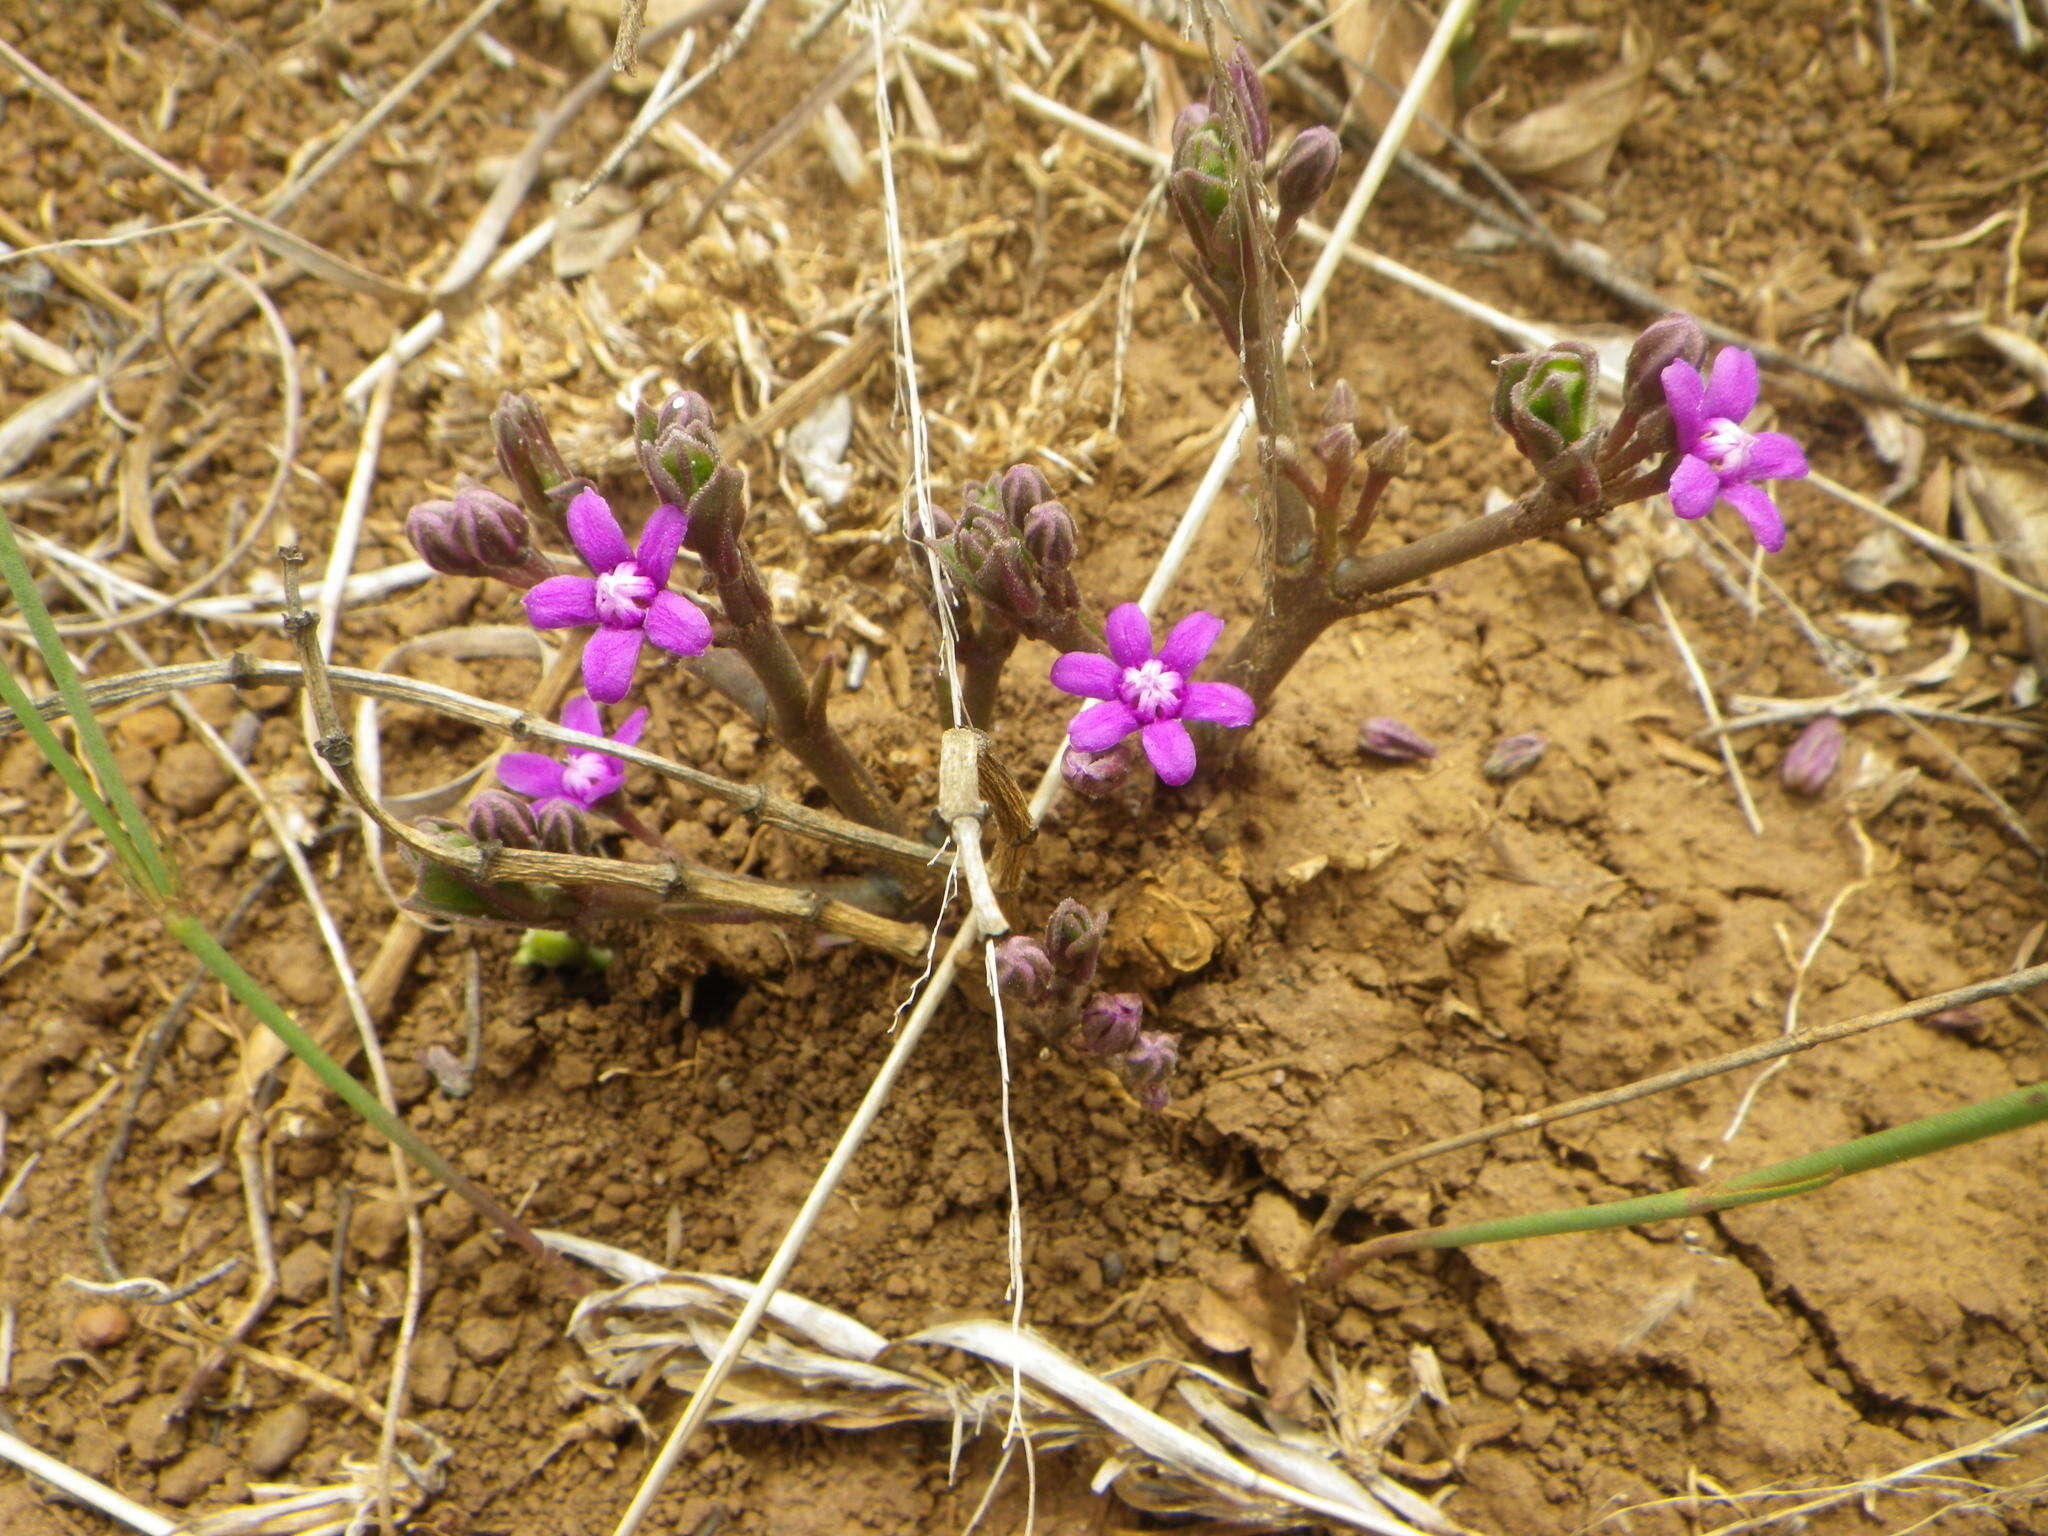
point(1732, 386)
point(1171, 750)
point(660, 540)
point(628, 734)
point(1101, 726)
point(1219, 703)
point(562, 602)
point(1774, 456)
point(1086, 675)
point(605, 780)
point(1130, 637)
point(596, 533)
point(579, 714)
point(1766, 523)
point(609, 657)
point(677, 624)
point(1694, 485)
point(1188, 645)
point(1683, 392)
point(530, 774)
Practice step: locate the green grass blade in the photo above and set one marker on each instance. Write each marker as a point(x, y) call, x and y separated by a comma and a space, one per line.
point(137, 848)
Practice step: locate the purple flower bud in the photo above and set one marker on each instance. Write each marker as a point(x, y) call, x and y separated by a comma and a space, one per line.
point(563, 828)
point(688, 411)
point(1049, 534)
point(942, 523)
point(1388, 455)
point(496, 817)
point(527, 453)
point(1384, 736)
point(1194, 115)
point(1811, 760)
point(1147, 1066)
point(1305, 174)
point(1097, 775)
point(1004, 583)
point(1109, 1023)
point(1674, 338)
point(1024, 972)
point(479, 533)
point(1023, 488)
point(1073, 942)
point(1250, 92)
point(1515, 756)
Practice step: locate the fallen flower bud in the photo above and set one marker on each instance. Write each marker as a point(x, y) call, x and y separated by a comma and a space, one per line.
point(1812, 758)
point(1384, 736)
point(1515, 756)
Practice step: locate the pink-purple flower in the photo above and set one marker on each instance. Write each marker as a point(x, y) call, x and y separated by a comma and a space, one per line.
point(1721, 461)
point(585, 777)
point(625, 599)
point(1149, 691)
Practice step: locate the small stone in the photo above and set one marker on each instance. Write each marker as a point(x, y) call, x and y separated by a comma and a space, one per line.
point(303, 1273)
point(1500, 1380)
point(100, 1327)
point(186, 1479)
point(188, 778)
point(502, 1287)
point(154, 1437)
point(197, 1125)
point(377, 1230)
point(433, 1369)
point(152, 729)
point(734, 1132)
point(276, 1438)
point(487, 1340)
point(688, 1155)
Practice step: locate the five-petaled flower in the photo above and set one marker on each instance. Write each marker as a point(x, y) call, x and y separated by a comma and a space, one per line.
point(626, 598)
point(1721, 461)
point(1148, 691)
point(586, 777)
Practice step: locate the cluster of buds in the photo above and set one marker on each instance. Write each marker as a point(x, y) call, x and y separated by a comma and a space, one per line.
point(1547, 401)
point(1013, 547)
point(499, 820)
point(1219, 159)
point(680, 455)
point(477, 533)
point(1047, 982)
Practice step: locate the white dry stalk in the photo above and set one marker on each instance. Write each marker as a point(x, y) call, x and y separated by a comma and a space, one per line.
point(940, 982)
point(820, 1367)
point(89, 1491)
point(1710, 706)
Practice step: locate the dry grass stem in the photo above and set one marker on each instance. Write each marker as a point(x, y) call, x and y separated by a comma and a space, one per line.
point(1711, 707)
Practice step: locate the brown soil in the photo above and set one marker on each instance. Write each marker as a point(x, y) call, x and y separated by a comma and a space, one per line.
point(1356, 956)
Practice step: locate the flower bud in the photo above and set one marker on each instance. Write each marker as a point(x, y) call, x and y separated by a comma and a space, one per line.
point(552, 949)
point(1384, 736)
point(1109, 1023)
point(498, 817)
point(688, 411)
point(941, 522)
point(1023, 488)
point(1073, 942)
point(1305, 174)
point(1024, 972)
point(1097, 775)
point(527, 453)
point(479, 533)
point(1515, 756)
point(1388, 455)
point(1250, 92)
point(1150, 1061)
point(1811, 760)
point(1049, 534)
point(563, 828)
point(1674, 338)
point(1005, 584)
point(1545, 400)
point(1194, 115)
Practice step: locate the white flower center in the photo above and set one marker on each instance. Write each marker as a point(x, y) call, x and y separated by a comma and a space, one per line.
point(1726, 446)
point(582, 774)
point(1152, 691)
point(623, 595)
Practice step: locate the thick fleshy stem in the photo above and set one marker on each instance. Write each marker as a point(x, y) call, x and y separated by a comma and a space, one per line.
point(680, 453)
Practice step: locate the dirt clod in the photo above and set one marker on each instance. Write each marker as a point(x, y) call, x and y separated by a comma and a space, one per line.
point(276, 1437)
point(101, 1326)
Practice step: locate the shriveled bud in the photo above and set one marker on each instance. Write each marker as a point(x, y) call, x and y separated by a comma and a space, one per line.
point(1384, 736)
point(1024, 972)
point(1097, 775)
point(563, 828)
point(497, 817)
point(1049, 534)
point(1515, 756)
point(1109, 1023)
point(1073, 942)
point(1150, 1061)
point(1811, 760)
point(479, 533)
point(527, 453)
point(1023, 488)
point(1250, 92)
point(1305, 174)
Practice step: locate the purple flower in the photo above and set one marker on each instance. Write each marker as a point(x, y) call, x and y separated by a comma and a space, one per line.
point(626, 599)
point(1148, 691)
point(1721, 461)
point(586, 777)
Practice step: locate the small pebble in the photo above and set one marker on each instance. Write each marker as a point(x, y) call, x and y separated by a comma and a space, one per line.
point(487, 1340)
point(190, 1476)
point(277, 1437)
point(100, 1327)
